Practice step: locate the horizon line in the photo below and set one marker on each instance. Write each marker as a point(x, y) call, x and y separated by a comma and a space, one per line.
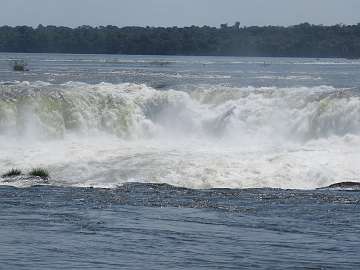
point(184, 26)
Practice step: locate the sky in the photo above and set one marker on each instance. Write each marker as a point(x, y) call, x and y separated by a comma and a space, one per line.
point(177, 12)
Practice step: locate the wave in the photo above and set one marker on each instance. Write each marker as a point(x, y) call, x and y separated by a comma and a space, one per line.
point(212, 136)
point(152, 62)
point(292, 78)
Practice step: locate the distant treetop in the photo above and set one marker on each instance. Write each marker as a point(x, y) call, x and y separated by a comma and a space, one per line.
point(303, 40)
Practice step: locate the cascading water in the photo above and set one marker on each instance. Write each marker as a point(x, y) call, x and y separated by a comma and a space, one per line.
point(212, 136)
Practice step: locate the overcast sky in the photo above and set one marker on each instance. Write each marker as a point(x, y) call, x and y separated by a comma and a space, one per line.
point(177, 12)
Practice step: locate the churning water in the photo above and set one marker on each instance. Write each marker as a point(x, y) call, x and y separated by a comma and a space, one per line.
point(190, 122)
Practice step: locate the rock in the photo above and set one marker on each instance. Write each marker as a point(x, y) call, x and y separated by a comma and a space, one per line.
point(24, 181)
point(344, 186)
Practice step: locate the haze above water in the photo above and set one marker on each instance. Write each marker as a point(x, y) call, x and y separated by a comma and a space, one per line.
point(196, 122)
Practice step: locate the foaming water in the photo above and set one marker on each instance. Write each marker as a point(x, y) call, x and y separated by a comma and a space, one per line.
point(105, 135)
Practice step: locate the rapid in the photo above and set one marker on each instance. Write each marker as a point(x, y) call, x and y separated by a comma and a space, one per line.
point(195, 136)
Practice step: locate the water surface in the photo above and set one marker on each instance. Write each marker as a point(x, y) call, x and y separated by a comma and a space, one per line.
point(179, 162)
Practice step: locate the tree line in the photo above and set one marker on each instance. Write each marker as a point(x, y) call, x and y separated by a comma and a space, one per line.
point(303, 40)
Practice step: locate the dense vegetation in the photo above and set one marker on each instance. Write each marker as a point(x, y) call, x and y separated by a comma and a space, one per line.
point(303, 40)
point(11, 173)
point(40, 172)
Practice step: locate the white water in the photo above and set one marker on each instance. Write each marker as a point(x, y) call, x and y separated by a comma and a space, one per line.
point(214, 136)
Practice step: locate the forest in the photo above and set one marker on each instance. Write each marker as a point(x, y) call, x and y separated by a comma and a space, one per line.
point(302, 40)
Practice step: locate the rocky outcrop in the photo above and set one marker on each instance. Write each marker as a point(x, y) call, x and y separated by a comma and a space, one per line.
point(24, 180)
point(345, 186)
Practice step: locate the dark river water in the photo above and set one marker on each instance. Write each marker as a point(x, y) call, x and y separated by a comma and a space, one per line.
point(179, 162)
point(139, 226)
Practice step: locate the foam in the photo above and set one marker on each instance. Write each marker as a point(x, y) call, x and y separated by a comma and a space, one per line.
point(105, 135)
